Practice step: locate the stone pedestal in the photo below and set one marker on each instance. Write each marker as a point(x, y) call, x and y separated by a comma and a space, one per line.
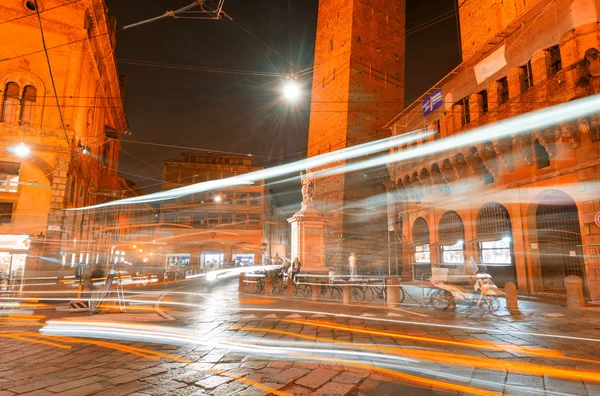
point(308, 239)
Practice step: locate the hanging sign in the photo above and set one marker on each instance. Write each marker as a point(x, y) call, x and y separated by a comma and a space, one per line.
point(432, 102)
point(597, 219)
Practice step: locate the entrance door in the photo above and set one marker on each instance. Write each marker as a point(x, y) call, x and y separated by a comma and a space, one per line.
point(558, 239)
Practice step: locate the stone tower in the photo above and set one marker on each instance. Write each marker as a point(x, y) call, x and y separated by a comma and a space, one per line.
point(358, 86)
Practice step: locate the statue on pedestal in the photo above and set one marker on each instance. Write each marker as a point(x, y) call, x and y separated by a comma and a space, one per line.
point(308, 186)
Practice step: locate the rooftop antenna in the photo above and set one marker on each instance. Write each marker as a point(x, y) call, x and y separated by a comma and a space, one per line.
point(203, 13)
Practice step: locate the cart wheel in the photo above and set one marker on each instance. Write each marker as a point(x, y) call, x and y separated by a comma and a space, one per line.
point(441, 300)
point(490, 303)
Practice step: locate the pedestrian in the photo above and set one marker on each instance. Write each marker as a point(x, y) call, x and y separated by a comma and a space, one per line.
point(296, 267)
point(352, 265)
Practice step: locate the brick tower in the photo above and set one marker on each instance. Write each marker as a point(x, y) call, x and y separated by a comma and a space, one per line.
point(358, 86)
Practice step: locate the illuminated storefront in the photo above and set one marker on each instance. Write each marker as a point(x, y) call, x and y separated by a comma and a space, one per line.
point(13, 258)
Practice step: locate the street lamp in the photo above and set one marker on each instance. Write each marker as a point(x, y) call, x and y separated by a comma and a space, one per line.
point(291, 90)
point(218, 198)
point(22, 150)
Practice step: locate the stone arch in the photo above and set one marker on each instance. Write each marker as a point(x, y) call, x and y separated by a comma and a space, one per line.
point(438, 179)
point(554, 216)
point(460, 165)
point(25, 78)
point(425, 179)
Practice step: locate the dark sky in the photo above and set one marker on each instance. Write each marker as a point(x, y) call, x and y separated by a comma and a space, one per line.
point(241, 113)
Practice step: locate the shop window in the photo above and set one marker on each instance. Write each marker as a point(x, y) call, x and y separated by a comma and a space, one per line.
point(10, 104)
point(503, 92)
point(9, 176)
point(453, 254)
point(451, 238)
point(542, 159)
point(212, 218)
point(199, 219)
point(255, 199)
point(240, 218)
point(496, 252)
point(422, 254)
point(254, 219)
point(555, 60)
point(28, 105)
point(226, 218)
point(484, 102)
point(6, 209)
point(526, 77)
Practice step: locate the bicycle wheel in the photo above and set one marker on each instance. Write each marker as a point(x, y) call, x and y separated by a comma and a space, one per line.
point(441, 300)
point(260, 287)
point(336, 293)
point(276, 287)
point(358, 293)
point(402, 294)
point(304, 291)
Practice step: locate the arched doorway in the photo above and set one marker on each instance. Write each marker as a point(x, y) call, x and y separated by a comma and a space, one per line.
point(451, 239)
point(559, 238)
point(421, 248)
point(494, 242)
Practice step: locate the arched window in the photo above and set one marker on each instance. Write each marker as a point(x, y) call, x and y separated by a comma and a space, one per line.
point(420, 231)
point(452, 238)
point(28, 106)
point(10, 103)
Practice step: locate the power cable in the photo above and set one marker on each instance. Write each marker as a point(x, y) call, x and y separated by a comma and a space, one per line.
point(62, 121)
point(41, 12)
point(198, 68)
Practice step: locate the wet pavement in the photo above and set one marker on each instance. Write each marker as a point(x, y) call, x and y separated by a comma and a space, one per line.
point(188, 340)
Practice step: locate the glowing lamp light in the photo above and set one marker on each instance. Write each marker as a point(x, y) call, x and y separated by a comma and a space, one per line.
point(291, 90)
point(211, 276)
point(22, 150)
point(506, 239)
point(218, 198)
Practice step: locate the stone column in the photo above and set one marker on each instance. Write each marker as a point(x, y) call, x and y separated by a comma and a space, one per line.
point(574, 286)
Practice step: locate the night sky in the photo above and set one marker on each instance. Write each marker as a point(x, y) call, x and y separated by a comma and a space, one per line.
point(241, 113)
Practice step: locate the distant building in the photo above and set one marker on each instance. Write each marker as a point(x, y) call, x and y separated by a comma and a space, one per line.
point(54, 160)
point(523, 205)
point(207, 230)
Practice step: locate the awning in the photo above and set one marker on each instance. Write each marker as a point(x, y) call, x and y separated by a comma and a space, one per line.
point(447, 242)
point(486, 238)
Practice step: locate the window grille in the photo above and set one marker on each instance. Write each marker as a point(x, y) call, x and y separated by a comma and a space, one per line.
point(9, 176)
point(493, 221)
point(484, 102)
point(451, 228)
point(5, 212)
point(526, 77)
point(28, 105)
point(420, 231)
point(11, 102)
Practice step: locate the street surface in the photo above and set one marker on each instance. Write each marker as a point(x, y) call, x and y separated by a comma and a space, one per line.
point(185, 339)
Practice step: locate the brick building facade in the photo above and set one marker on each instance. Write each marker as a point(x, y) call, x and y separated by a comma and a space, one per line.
point(524, 204)
point(358, 85)
point(73, 153)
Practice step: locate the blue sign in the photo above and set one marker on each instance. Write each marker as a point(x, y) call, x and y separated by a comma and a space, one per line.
point(432, 102)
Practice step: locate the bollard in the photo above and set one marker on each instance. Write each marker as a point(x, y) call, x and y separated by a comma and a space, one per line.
point(242, 283)
point(316, 292)
point(346, 293)
point(574, 286)
point(393, 291)
point(251, 287)
point(512, 302)
point(267, 286)
point(290, 287)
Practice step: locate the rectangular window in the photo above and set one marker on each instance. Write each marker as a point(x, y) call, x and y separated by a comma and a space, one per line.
point(453, 254)
point(5, 212)
point(503, 94)
point(484, 102)
point(170, 217)
point(9, 176)
point(241, 199)
point(226, 218)
point(555, 60)
point(526, 77)
point(255, 199)
point(184, 217)
point(199, 219)
point(240, 218)
point(465, 112)
point(212, 218)
point(422, 254)
point(496, 252)
point(254, 219)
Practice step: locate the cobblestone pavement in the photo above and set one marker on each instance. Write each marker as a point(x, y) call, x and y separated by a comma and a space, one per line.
point(220, 343)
